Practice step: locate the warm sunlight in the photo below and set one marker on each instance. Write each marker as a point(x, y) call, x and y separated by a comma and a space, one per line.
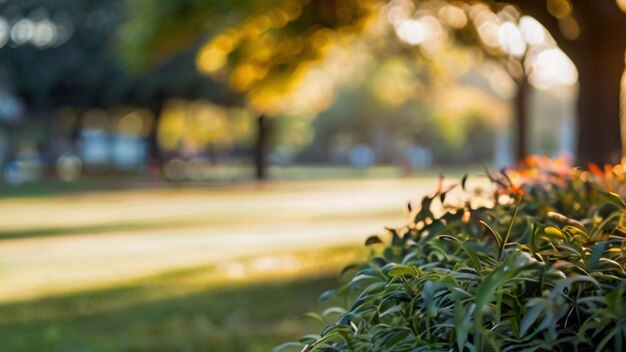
point(312, 175)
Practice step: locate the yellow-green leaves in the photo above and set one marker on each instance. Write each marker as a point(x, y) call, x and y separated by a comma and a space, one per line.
point(403, 270)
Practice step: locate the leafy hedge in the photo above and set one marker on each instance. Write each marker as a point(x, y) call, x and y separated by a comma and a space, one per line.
point(542, 268)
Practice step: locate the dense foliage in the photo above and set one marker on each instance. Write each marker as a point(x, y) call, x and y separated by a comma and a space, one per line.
point(541, 268)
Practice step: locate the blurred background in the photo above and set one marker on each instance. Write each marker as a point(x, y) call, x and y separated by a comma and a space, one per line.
point(190, 175)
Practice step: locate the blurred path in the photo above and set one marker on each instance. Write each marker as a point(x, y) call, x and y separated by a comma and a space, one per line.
point(60, 244)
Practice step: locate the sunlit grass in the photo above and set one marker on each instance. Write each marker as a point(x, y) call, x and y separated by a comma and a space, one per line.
point(184, 267)
point(216, 308)
point(52, 245)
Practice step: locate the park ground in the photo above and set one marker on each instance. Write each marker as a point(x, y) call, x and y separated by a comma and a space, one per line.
point(185, 268)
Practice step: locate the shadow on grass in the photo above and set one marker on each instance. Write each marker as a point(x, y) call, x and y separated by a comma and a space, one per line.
point(175, 223)
point(243, 317)
point(46, 188)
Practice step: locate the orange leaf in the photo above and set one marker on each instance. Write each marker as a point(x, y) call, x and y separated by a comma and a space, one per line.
point(517, 190)
point(595, 170)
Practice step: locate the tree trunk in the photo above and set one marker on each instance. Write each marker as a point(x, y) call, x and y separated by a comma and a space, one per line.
point(154, 152)
point(155, 158)
point(599, 137)
point(599, 56)
point(261, 148)
point(598, 53)
point(521, 118)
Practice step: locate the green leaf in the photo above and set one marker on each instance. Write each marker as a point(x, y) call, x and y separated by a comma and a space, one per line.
point(286, 346)
point(328, 294)
point(428, 297)
point(333, 310)
point(475, 262)
point(373, 240)
point(314, 316)
point(615, 199)
point(608, 338)
point(485, 291)
point(348, 268)
point(403, 270)
point(308, 339)
point(494, 233)
point(598, 250)
point(462, 323)
point(508, 232)
point(392, 310)
point(530, 317)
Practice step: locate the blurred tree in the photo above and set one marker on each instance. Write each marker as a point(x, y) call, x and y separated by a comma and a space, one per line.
point(176, 77)
point(270, 49)
point(271, 46)
point(62, 54)
point(54, 52)
point(199, 128)
point(593, 35)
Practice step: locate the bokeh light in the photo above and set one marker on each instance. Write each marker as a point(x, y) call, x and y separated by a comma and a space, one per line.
point(551, 67)
point(68, 167)
point(200, 148)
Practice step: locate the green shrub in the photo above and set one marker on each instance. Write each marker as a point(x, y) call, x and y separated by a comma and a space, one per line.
point(540, 269)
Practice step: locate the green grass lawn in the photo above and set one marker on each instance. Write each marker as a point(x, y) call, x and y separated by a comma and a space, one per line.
point(198, 309)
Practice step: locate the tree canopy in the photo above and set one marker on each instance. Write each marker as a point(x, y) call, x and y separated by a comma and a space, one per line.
point(291, 55)
point(268, 47)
